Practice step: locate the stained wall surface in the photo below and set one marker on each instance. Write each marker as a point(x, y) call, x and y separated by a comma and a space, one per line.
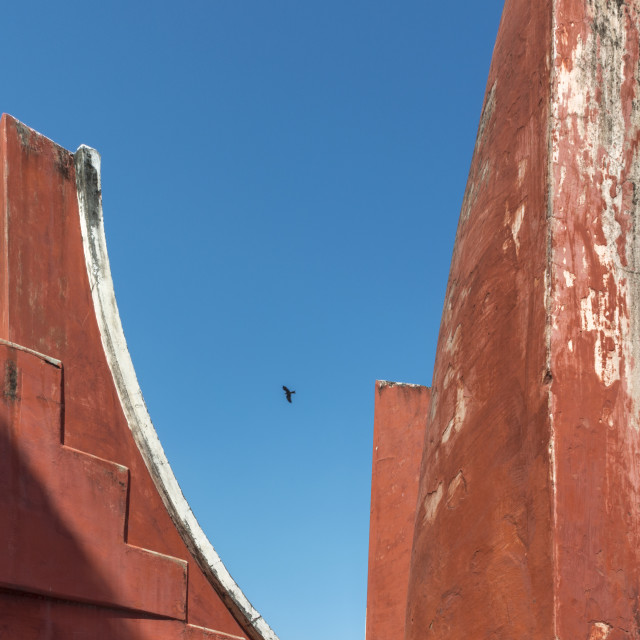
point(88, 545)
point(398, 436)
point(594, 317)
point(528, 510)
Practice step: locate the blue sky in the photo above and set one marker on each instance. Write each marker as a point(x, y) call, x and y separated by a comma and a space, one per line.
point(281, 185)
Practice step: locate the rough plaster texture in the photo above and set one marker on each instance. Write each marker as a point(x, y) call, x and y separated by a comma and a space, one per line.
point(594, 317)
point(398, 435)
point(101, 544)
point(535, 389)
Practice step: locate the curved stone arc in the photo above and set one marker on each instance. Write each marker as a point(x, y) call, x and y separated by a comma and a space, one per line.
point(87, 161)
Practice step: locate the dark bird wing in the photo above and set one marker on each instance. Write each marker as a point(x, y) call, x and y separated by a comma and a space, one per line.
point(288, 393)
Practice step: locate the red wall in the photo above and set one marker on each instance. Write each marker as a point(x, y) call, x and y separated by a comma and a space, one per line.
point(398, 437)
point(89, 549)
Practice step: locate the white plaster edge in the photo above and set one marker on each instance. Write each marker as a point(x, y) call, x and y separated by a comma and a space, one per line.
point(133, 405)
point(42, 356)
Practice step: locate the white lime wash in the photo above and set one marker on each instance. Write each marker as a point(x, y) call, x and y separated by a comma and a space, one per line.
point(609, 310)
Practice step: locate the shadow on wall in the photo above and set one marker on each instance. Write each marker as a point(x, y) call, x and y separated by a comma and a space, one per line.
point(53, 583)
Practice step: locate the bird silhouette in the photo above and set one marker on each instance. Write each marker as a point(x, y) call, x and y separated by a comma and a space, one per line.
point(288, 393)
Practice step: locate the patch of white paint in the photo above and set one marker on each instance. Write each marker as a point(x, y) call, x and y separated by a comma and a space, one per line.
point(515, 226)
point(569, 90)
point(431, 503)
point(600, 631)
point(446, 434)
point(590, 116)
point(587, 318)
point(388, 383)
point(563, 175)
point(453, 339)
point(606, 324)
point(458, 483)
point(459, 413)
point(569, 277)
point(522, 170)
point(449, 375)
point(12, 345)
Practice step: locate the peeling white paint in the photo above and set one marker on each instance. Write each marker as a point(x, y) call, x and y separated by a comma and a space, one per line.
point(607, 326)
point(477, 181)
point(588, 112)
point(517, 223)
point(457, 483)
point(600, 631)
point(570, 91)
point(459, 413)
point(388, 383)
point(446, 434)
point(569, 277)
point(587, 317)
point(431, 503)
point(522, 170)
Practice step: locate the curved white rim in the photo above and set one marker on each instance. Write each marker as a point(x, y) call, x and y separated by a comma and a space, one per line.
point(88, 185)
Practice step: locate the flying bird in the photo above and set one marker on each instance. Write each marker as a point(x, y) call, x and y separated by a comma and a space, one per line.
point(288, 393)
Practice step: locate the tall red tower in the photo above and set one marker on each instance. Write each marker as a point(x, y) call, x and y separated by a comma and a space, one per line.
point(527, 522)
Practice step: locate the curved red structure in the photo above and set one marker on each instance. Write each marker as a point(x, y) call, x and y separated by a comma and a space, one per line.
point(97, 540)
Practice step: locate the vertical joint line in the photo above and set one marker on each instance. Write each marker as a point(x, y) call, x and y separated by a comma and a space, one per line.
point(549, 311)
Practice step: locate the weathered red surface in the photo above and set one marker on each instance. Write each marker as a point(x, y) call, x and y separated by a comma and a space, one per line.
point(28, 617)
point(82, 499)
point(528, 522)
point(482, 559)
point(595, 318)
point(398, 438)
point(64, 511)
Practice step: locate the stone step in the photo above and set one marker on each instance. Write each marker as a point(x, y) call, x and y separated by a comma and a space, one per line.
point(65, 511)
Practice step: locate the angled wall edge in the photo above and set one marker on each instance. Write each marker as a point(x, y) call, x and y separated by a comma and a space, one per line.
point(115, 347)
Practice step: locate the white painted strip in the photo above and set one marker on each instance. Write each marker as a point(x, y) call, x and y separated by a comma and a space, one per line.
point(19, 347)
point(124, 376)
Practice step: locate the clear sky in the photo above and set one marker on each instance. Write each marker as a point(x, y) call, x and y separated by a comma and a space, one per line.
point(281, 183)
